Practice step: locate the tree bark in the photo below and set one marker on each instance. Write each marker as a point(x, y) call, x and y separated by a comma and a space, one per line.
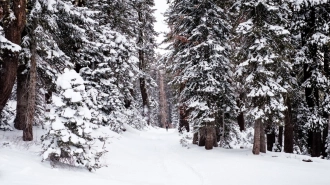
point(240, 117)
point(22, 97)
point(183, 123)
point(142, 66)
point(316, 144)
point(262, 139)
point(162, 101)
point(195, 138)
point(270, 140)
point(13, 29)
point(145, 100)
point(210, 138)
point(280, 136)
point(201, 136)
point(288, 128)
point(31, 101)
point(256, 142)
point(326, 128)
point(240, 120)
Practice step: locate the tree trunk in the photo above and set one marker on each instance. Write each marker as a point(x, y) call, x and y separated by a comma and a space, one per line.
point(22, 97)
point(201, 136)
point(311, 92)
point(210, 138)
point(195, 138)
point(256, 142)
point(13, 29)
point(240, 117)
point(270, 140)
point(183, 122)
point(145, 100)
point(326, 128)
point(262, 139)
point(240, 120)
point(280, 137)
point(316, 144)
point(142, 66)
point(288, 130)
point(31, 101)
point(162, 100)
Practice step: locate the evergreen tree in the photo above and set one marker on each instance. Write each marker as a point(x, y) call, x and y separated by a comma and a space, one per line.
point(200, 58)
point(264, 68)
point(311, 29)
point(146, 45)
point(111, 66)
point(72, 138)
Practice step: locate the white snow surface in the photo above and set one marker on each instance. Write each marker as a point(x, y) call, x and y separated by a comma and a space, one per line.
point(155, 157)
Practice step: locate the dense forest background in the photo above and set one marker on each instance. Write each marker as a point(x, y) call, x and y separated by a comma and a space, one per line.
point(234, 71)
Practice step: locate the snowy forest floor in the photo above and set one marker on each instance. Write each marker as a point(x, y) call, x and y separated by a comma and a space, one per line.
point(155, 157)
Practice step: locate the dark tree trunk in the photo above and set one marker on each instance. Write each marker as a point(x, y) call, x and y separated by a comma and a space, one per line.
point(311, 93)
point(240, 120)
point(13, 29)
point(201, 136)
point(316, 144)
point(145, 102)
point(22, 97)
point(240, 117)
point(195, 138)
point(31, 101)
point(210, 140)
point(288, 128)
point(256, 142)
point(326, 128)
point(262, 139)
point(280, 137)
point(270, 140)
point(214, 137)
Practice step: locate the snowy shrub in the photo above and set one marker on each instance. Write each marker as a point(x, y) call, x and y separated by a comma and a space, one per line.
point(234, 138)
point(186, 138)
point(6, 115)
point(71, 139)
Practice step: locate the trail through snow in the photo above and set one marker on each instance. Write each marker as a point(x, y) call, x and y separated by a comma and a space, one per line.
point(155, 157)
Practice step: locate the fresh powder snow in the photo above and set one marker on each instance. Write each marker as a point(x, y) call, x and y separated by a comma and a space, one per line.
point(155, 157)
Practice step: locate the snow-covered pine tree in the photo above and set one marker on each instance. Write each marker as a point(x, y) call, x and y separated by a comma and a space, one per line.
point(310, 27)
point(43, 20)
point(199, 57)
point(146, 50)
point(264, 69)
point(117, 14)
point(110, 82)
point(71, 139)
point(111, 67)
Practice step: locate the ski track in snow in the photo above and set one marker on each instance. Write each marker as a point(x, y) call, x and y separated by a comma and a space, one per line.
point(155, 157)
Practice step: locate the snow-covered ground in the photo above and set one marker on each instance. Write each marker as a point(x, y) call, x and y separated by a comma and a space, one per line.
point(155, 157)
